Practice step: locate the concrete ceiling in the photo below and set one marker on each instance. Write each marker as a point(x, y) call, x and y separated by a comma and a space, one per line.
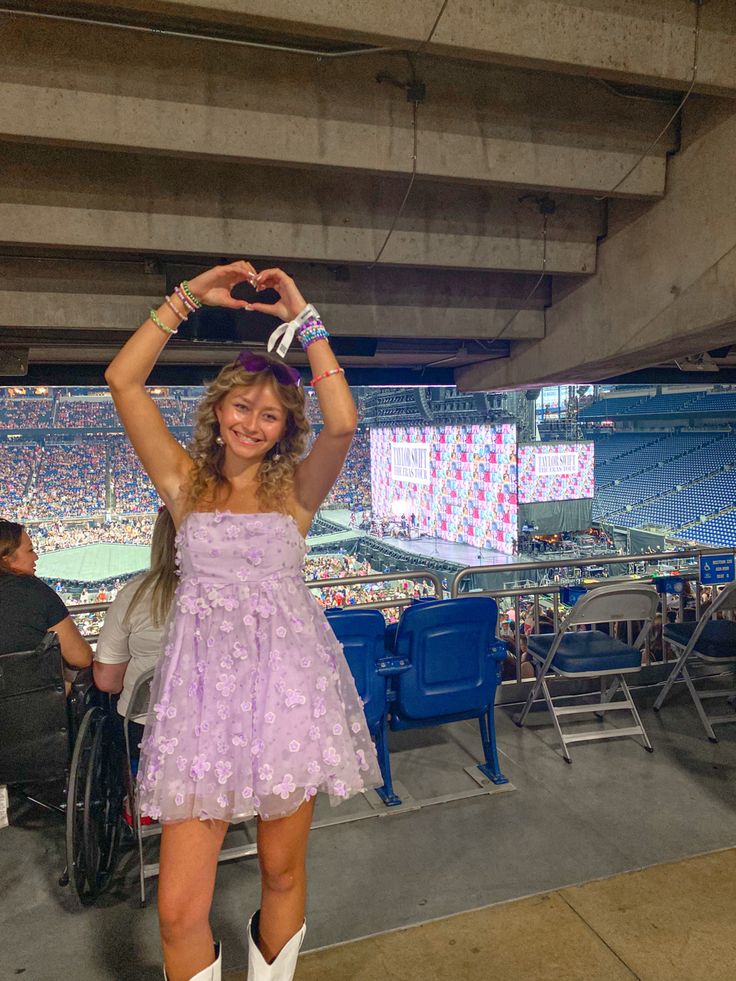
point(143, 141)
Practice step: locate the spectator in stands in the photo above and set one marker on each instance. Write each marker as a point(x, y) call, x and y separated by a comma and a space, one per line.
point(28, 607)
point(131, 638)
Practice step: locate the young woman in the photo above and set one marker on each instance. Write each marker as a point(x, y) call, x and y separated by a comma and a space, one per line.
point(132, 637)
point(28, 607)
point(254, 707)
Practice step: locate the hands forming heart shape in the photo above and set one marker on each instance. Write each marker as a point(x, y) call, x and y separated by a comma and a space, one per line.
point(214, 289)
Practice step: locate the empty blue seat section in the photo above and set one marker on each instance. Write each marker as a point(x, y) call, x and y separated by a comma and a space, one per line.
point(586, 650)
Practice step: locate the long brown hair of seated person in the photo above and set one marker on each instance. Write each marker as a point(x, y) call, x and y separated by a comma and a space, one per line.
point(161, 578)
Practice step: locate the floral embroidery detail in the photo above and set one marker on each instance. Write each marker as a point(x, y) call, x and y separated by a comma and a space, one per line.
point(222, 800)
point(167, 746)
point(360, 757)
point(314, 768)
point(340, 788)
point(226, 685)
point(246, 706)
point(355, 727)
point(306, 662)
point(294, 746)
point(188, 604)
point(281, 632)
point(248, 620)
point(179, 799)
point(337, 729)
point(181, 763)
point(200, 765)
point(286, 787)
point(239, 740)
point(254, 555)
point(314, 733)
point(331, 756)
point(226, 662)
point(210, 641)
point(232, 531)
point(242, 573)
point(321, 683)
point(257, 747)
point(200, 727)
point(311, 792)
point(223, 770)
point(294, 697)
point(265, 772)
point(223, 711)
point(226, 626)
point(274, 657)
point(319, 707)
point(246, 793)
point(269, 717)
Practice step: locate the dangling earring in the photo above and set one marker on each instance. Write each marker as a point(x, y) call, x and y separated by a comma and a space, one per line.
point(277, 456)
point(219, 440)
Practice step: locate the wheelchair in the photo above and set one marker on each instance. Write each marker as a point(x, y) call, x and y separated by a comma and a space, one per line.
point(61, 753)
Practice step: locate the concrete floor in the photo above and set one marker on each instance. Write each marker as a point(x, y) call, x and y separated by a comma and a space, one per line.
point(616, 809)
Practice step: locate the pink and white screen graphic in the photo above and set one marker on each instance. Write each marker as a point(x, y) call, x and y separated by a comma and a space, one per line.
point(555, 472)
point(458, 481)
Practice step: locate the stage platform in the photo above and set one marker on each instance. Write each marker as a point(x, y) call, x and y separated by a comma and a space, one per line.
point(434, 548)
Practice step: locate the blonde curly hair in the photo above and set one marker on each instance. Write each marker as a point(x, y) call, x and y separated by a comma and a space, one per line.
point(276, 473)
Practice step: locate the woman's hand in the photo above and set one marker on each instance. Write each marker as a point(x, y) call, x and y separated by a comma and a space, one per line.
point(291, 303)
point(213, 288)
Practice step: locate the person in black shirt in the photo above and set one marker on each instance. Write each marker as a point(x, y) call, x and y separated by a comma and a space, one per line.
point(28, 607)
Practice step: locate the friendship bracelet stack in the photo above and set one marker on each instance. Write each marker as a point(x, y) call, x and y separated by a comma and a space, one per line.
point(189, 303)
point(311, 330)
point(327, 374)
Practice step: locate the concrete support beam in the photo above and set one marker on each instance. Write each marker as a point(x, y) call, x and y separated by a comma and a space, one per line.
point(54, 296)
point(665, 286)
point(101, 200)
point(74, 85)
point(644, 41)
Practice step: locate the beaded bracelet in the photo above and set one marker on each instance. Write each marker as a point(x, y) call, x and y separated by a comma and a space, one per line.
point(189, 292)
point(161, 325)
point(188, 305)
point(311, 330)
point(170, 304)
point(327, 374)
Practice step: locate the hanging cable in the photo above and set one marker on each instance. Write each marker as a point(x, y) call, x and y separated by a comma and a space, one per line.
point(675, 114)
point(416, 89)
point(681, 104)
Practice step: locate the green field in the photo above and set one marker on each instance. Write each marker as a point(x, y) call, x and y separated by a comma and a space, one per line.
point(93, 563)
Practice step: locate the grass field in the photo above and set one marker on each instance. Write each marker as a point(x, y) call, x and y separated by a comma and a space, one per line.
point(93, 563)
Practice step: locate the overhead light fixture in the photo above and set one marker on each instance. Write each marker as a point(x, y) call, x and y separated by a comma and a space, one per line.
point(697, 362)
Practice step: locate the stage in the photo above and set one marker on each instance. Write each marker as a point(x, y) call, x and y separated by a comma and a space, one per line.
point(435, 548)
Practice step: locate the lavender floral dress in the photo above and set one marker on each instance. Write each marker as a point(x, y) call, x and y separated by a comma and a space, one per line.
point(253, 706)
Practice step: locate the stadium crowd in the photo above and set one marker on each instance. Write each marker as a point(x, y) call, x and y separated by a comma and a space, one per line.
point(132, 489)
point(25, 413)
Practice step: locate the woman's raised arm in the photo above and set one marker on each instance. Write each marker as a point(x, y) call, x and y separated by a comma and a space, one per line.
point(164, 459)
point(319, 470)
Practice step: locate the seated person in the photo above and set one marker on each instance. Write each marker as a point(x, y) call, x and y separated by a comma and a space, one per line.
point(131, 638)
point(28, 607)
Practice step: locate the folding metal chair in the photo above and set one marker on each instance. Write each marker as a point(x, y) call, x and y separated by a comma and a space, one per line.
point(574, 653)
point(709, 641)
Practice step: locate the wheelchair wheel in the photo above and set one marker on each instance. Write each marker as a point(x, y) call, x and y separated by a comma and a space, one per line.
point(94, 807)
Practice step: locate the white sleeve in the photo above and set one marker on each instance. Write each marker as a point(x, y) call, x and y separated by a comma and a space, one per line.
point(112, 644)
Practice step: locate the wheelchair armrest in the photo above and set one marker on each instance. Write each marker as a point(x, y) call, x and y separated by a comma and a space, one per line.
point(388, 666)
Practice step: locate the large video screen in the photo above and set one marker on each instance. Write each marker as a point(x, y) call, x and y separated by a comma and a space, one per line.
point(458, 481)
point(555, 472)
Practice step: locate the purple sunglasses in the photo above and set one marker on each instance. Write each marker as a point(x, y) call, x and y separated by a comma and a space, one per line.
point(283, 373)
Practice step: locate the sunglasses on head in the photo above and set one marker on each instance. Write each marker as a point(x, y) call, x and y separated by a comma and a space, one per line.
point(283, 373)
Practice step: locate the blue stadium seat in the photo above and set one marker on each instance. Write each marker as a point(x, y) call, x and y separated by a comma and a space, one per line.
point(454, 668)
point(709, 641)
point(362, 635)
point(574, 653)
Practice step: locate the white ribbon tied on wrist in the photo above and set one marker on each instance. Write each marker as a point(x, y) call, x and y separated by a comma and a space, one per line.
point(286, 331)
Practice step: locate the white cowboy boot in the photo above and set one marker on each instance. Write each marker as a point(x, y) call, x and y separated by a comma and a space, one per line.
point(211, 973)
point(282, 969)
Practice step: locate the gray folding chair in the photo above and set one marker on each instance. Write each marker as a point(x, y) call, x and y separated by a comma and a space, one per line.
point(709, 641)
point(138, 707)
point(572, 653)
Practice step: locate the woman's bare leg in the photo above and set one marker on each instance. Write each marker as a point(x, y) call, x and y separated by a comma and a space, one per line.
point(282, 854)
point(189, 851)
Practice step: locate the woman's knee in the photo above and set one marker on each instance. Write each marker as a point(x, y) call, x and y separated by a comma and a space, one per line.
point(180, 914)
point(281, 873)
